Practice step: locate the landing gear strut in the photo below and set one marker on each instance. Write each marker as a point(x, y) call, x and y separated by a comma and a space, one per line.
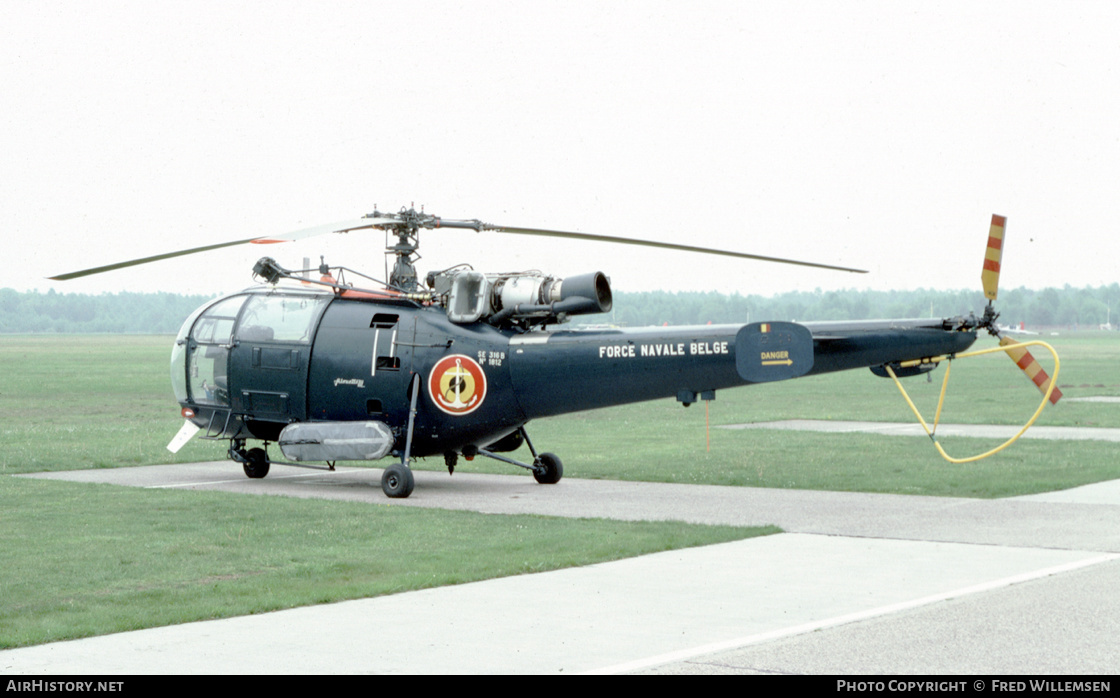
point(547, 468)
point(397, 481)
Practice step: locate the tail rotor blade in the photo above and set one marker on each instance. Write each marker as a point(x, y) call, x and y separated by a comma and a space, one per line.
point(993, 256)
point(1030, 366)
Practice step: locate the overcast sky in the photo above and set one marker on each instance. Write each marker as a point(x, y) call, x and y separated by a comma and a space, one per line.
point(880, 135)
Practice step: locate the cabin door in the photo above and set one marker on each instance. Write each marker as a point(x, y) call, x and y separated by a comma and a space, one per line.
point(269, 361)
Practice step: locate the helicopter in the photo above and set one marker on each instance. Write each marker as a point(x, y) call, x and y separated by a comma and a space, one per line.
point(459, 364)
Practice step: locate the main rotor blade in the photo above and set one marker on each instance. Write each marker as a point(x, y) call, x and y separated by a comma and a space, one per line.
point(339, 227)
point(664, 245)
point(144, 260)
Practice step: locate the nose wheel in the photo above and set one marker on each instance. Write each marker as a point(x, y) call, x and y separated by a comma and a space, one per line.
point(254, 461)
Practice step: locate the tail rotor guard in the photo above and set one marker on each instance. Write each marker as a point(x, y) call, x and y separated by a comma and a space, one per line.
point(1017, 351)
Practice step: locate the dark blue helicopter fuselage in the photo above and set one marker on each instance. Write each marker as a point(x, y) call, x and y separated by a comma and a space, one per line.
point(250, 364)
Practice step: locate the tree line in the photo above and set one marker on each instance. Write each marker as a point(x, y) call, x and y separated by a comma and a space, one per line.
point(1068, 307)
point(163, 313)
point(80, 313)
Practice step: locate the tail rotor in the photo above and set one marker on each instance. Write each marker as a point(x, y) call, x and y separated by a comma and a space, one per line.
point(989, 277)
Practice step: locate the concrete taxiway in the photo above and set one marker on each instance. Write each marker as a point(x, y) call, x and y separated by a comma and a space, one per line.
point(915, 429)
point(858, 583)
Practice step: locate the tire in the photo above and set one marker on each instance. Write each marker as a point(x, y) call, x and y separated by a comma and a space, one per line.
point(397, 481)
point(549, 469)
point(256, 463)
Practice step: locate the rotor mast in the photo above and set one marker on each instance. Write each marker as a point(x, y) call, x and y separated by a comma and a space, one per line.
point(406, 225)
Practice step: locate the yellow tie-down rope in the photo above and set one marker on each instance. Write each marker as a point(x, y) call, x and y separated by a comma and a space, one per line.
point(945, 384)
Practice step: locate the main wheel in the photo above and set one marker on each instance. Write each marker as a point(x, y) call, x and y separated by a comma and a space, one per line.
point(397, 481)
point(548, 469)
point(256, 463)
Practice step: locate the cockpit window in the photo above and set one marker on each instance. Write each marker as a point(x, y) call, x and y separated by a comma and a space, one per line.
point(208, 353)
point(280, 318)
point(201, 354)
point(216, 324)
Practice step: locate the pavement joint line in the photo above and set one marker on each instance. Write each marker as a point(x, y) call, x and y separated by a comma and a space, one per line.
point(736, 643)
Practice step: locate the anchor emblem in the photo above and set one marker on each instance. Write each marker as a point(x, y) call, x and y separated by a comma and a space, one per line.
point(457, 384)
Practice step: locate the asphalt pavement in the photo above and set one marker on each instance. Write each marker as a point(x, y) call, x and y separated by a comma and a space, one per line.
point(858, 583)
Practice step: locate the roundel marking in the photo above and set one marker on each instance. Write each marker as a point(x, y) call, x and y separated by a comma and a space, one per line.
point(457, 384)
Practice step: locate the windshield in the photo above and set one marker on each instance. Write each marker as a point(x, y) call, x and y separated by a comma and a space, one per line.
point(200, 359)
point(279, 318)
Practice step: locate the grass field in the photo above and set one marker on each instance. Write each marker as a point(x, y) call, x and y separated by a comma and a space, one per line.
point(77, 560)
